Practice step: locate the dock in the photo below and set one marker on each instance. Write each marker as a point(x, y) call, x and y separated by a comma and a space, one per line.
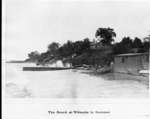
point(45, 68)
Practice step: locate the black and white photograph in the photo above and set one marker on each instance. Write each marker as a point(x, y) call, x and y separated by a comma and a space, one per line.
point(76, 49)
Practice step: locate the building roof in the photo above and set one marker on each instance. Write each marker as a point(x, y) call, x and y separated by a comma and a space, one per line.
point(131, 54)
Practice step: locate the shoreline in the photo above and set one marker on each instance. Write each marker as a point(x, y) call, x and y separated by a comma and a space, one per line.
point(118, 76)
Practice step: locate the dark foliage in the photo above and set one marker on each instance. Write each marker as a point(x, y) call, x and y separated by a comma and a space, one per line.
point(106, 35)
point(80, 52)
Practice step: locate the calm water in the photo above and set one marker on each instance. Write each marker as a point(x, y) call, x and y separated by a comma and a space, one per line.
point(66, 84)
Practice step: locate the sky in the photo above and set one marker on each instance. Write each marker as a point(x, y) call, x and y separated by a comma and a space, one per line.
point(33, 24)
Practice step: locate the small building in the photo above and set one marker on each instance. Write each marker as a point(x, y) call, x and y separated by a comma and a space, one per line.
point(131, 63)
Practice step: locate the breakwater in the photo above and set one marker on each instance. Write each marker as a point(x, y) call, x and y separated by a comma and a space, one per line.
point(45, 68)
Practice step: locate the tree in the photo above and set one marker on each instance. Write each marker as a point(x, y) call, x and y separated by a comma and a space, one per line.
point(86, 44)
point(127, 41)
point(34, 56)
point(78, 49)
point(137, 43)
point(146, 44)
point(123, 47)
point(106, 35)
point(53, 47)
point(66, 49)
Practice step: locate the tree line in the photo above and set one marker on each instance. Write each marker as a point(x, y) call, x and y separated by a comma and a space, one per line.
point(98, 52)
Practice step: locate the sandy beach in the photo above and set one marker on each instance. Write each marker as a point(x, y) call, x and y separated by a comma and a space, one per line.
point(70, 84)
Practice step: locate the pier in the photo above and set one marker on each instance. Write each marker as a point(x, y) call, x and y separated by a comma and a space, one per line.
point(45, 68)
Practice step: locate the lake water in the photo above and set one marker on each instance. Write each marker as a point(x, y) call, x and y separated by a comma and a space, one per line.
point(67, 84)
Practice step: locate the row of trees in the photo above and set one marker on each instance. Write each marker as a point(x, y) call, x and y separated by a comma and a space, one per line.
point(128, 45)
point(80, 52)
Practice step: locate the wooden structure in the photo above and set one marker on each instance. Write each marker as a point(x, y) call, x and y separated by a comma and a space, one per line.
point(131, 63)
